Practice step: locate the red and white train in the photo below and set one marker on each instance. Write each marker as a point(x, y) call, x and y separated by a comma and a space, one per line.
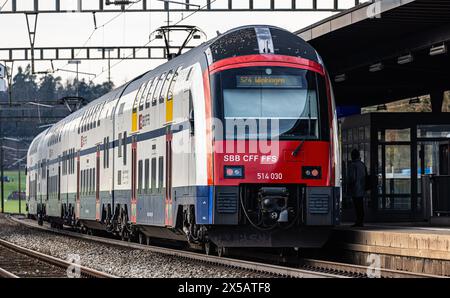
point(232, 144)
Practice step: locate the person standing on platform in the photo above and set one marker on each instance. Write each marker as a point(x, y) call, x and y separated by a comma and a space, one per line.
point(357, 176)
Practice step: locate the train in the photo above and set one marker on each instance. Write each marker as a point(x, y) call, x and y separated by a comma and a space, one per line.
point(231, 144)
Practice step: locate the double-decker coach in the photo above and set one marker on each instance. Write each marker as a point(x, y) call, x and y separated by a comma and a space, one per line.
point(232, 144)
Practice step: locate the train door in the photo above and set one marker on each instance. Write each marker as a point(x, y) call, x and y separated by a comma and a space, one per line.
point(97, 185)
point(47, 171)
point(169, 215)
point(444, 160)
point(133, 178)
point(59, 181)
point(35, 187)
point(77, 210)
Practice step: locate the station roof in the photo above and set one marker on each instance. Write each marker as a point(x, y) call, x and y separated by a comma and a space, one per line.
point(381, 32)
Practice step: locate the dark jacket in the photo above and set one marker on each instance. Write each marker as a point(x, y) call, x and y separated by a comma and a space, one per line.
point(357, 178)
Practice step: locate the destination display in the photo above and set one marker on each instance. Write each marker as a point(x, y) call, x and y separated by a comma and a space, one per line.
point(269, 81)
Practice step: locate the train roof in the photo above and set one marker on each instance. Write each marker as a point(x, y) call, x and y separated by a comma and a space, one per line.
point(244, 40)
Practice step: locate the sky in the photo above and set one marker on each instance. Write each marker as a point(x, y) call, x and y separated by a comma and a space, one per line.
point(134, 29)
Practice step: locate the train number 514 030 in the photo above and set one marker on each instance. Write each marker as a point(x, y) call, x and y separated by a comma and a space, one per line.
point(271, 176)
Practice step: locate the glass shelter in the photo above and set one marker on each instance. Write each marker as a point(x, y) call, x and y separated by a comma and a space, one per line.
point(398, 149)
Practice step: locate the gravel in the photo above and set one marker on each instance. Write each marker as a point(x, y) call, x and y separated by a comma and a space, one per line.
point(123, 262)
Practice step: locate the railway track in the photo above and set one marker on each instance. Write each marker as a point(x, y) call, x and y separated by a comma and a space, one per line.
point(20, 262)
point(257, 267)
point(357, 271)
point(303, 267)
point(344, 269)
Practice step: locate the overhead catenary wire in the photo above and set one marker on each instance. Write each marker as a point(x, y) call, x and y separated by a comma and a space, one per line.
point(100, 27)
point(3, 5)
point(183, 18)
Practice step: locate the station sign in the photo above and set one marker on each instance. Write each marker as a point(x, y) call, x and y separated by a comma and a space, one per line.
point(269, 81)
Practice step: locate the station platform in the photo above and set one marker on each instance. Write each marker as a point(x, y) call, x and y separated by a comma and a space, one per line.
point(401, 246)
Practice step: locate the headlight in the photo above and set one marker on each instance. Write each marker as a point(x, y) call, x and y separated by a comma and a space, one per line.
point(234, 172)
point(312, 172)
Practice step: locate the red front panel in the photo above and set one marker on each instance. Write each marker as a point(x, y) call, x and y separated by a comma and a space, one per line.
point(278, 166)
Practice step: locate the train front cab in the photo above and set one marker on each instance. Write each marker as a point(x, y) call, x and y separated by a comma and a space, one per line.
point(273, 158)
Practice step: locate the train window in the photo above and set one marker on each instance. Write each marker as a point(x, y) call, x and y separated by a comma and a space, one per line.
point(65, 162)
point(107, 152)
point(153, 185)
point(91, 188)
point(69, 162)
point(89, 179)
point(172, 84)
point(86, 180)
point(158, 89)
point(122, 105)
point(160, 173)
point(104, 153)
point(189, 73)
point(143, 95)
point(139, 96)
point(140, 177)
point(94, 185)
point(119, 177)
point(119, 147)
point(124, 142)
point(82, 182)
point(164, 89)
point(72, 161)
point(146, 175)
point(151, 90)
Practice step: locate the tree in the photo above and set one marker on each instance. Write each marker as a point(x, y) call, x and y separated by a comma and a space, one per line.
point(48, 87)
point(24, 87)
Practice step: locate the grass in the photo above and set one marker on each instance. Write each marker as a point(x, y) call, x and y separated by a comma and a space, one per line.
point(12, 206)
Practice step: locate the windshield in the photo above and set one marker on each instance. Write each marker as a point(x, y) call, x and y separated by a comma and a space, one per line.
point(270, 102)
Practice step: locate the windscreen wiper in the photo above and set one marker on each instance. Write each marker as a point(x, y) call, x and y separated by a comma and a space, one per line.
point(299, 147)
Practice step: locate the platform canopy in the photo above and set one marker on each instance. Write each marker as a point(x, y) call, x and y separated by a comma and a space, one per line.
point(386, 50)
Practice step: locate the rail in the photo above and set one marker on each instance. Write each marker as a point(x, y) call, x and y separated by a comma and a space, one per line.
point(85, 271)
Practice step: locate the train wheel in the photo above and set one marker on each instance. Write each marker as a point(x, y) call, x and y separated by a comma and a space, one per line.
point(148, 240)
point(209, 248)
point(40, 220)
point(222, 251)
